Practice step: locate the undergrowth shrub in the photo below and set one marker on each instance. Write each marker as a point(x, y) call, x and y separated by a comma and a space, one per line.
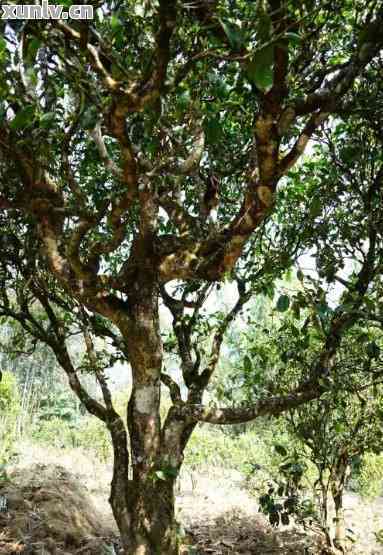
point(93, 436)
point(87, 432)
point(211, 447)
point(58, 425)
point(370, 477)
point(9, 411)
point(55, 432)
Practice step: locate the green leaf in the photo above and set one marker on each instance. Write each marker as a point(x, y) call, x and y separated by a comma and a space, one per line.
point(233, 33)
point(33, 47)
point(47, 119)
point(280, 450)
point(153, 145)
point(264, 28)
point(183, 100)
point(32, 76)
point(23, 118)
point(3, 111)
point(89, 117)
point(171, 471)
point(247, 364)
point(284, 357)
point(316, 207)
point(260, 68)
point(166, 473)
point(322, 309)
point(338, 427)
point(3, 44)
point(294, 38)
point(283, 303)
point(221, 90)
point(370, 305)
point(213, 129)
point(115, 23)
point(373, 350)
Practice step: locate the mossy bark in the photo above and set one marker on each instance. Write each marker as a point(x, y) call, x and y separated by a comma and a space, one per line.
point(147, 523)
point(151, 528)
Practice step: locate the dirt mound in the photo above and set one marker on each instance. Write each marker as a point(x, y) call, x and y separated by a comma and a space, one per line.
point(47, 511)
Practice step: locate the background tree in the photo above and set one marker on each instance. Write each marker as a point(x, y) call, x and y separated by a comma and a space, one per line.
point(336, 434)
point(119, 139)
point(345, 423)
point(41, 381)
point(9, 411)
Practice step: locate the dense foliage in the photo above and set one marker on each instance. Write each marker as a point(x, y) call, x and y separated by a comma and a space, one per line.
point(156, 151)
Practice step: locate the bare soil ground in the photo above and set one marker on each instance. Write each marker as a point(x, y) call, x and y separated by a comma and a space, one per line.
point(222, 518)
point(58, 506)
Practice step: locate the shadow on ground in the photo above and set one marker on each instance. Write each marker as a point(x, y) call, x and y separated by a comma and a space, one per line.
point(242, 534)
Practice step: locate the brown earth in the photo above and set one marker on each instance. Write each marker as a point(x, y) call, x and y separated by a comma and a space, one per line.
point(221, 518)
point(60, 508)
point(50, 513)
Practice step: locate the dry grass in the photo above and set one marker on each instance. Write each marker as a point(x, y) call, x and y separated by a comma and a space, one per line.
point(49, 512)
point(62, 507)
point(222, 518)
point(88, 470)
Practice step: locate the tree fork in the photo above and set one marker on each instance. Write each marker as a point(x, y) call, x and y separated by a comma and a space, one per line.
point(150, 498)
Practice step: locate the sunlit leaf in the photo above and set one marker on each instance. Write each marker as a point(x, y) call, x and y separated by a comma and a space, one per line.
point(233, 33)
point(23, 118)
point(247, 364)
point(294, 38)
point(260, 68)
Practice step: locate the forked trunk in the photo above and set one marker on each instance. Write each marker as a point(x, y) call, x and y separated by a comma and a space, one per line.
point(144, 506)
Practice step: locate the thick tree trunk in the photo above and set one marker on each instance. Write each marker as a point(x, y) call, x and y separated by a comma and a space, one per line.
point(119, 494)
point(150, 528)
point(154, 529)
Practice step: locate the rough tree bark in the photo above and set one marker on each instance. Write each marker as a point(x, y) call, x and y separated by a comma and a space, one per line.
point(338, 480)
point(144, 505)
